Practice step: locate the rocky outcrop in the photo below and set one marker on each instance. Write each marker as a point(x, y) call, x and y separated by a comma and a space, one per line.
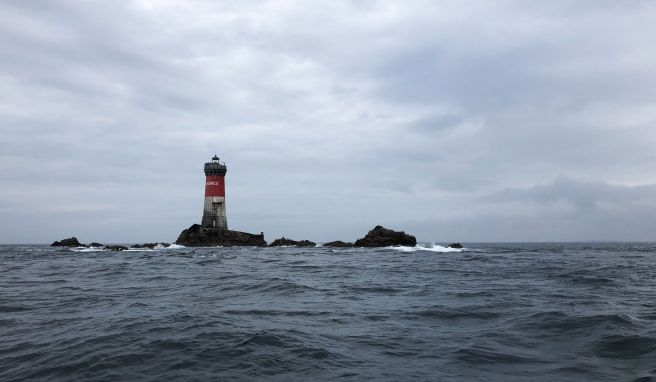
point(70, 242)
point(455, 245)
point(149, 245)
point(383, 237)
point(196, 236)
point(73, 242)
point(284, 242)
point(115, 248)
point(338, 244)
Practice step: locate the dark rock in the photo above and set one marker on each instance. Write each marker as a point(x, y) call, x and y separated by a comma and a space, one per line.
point(70, 242)
point(283, 241)
point(338, 244)
point(383, 237)
point(149, 245)
point(455, 245)
point(94, 244)
point(115, 248)
point(306, 243)
point(196, 236)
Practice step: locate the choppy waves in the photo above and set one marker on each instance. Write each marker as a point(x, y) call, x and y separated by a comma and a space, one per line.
point(517, 312)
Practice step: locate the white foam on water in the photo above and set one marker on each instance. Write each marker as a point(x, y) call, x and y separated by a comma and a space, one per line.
point(431, 248)
point(172, 246)
point(87, 249)
point(156, 248)
point(103, 249)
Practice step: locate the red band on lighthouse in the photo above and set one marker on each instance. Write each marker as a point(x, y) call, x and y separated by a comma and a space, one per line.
point(214, 185)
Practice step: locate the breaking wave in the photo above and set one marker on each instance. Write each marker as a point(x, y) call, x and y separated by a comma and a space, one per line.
point(87, 249)
point(172, 246)
point(428, 247)
point(158, 247)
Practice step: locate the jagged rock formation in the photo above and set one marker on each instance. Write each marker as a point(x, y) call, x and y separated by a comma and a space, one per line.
point(383, 237)
point(70, 242)
point(338, 244)
point(196, 236)
point(455, 245)
point(283, 241)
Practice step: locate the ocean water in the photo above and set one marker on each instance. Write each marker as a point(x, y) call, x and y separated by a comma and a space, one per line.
point(493, 312)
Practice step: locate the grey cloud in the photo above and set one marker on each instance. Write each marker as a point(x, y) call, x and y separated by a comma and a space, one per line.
point(584, 196)
point(332, 117)
point(436, 123)
point(564, 209)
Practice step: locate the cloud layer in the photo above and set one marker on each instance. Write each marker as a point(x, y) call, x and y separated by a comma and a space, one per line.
point(465, 120)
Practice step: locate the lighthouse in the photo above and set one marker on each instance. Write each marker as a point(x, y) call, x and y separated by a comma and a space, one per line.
point(214, 212)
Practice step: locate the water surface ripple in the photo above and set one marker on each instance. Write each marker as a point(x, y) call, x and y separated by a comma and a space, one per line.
point(496, 312)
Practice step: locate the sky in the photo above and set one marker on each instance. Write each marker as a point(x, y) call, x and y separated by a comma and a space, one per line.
point(457, 120)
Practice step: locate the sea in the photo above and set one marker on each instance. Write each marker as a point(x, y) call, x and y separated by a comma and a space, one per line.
point(488, 312)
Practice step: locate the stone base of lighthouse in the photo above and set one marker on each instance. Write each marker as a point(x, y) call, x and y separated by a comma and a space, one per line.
point(214, 213)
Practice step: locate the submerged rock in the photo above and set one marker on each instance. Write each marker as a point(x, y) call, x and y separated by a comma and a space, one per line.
point(455, 245)
point(115, 248)
point(383, 237)
point(197, 236)
point(338, 244)
point(70, 242)
point(149, 245)
point(283, 241)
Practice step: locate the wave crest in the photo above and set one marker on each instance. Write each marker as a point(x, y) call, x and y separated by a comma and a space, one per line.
point(432, 247)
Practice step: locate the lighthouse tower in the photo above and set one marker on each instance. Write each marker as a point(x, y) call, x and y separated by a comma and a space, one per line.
point(214, 212)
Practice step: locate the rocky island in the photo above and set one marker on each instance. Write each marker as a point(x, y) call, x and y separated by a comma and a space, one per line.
point(379, 236)
point(383, 237)
point(70, 242)
point(73, 242)
point(284, 242)
point(338, 244)
point(197, 236)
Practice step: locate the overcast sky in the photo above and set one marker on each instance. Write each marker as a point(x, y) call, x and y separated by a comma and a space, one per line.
point(452, 120)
